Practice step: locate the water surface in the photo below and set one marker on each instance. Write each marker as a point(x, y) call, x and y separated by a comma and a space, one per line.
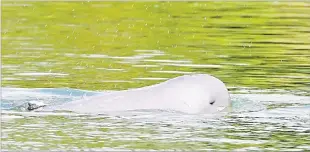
point(260, 50)
point(116, 45)
point(257, 121)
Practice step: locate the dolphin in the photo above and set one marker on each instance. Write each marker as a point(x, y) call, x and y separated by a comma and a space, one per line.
point(192, 94)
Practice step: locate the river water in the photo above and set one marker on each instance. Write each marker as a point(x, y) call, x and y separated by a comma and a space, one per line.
point(257, 122)
point(56, 52)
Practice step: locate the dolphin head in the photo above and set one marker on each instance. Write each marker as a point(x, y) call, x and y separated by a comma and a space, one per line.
point(217, 95)
point(220, 102)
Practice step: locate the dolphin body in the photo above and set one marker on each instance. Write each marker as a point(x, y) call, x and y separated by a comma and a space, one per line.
point(192, 94)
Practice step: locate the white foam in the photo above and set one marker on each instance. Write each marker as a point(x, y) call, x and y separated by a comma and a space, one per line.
point(9, 117)
point(278, 98)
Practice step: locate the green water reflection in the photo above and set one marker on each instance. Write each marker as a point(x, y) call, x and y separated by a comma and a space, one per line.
point(116, 45)
point(263, 45)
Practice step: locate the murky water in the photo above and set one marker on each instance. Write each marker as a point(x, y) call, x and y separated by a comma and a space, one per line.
point(261, 50)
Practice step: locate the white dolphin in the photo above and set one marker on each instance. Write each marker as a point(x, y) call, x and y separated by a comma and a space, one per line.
point(193, 94)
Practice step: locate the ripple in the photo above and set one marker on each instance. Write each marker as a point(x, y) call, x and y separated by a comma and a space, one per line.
point(193, 65)
point(238, 64)
point(139, 56)
point(173, 72)
point(288, 76)
point(78, 68)
point(34, 48)
point(41, 74)
point(145, 65)
point(150, 78)
point(10, 66)
point(90, 55)
point(116, 81)
point(10, 79)
point(14, 5)
point(225, 140)
point(110, 69)
point(167, 61)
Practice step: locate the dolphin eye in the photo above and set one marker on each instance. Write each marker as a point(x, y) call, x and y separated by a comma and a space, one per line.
point(212, 102)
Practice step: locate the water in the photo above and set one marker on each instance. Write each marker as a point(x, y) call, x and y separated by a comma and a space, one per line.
point(257, 121)
point(96, 46)
point(260, 50)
